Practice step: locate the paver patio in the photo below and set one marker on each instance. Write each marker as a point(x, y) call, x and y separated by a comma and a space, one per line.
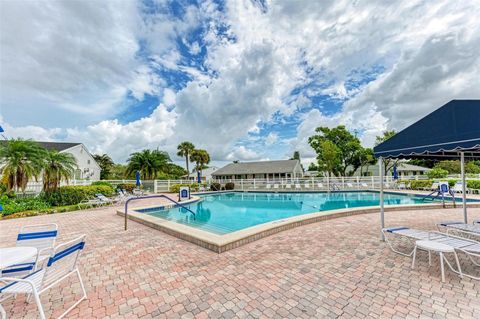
point(336, 268)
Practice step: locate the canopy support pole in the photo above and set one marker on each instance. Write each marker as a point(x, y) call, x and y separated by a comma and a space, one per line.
point(382, 210)
point(464, 187)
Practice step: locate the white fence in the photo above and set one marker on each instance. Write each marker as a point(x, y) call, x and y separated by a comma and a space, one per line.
point(313, 183)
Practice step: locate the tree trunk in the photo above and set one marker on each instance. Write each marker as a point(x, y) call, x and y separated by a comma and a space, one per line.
point(186, 161)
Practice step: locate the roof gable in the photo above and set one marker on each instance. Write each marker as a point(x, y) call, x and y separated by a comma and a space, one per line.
point(263, 167)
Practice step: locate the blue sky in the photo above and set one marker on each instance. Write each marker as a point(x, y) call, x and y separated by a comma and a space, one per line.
point(246, 80)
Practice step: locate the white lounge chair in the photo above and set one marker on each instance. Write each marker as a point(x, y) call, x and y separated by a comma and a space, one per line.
point(364, 185)
point(105, 200)
point(61, 265)
point(320, 185)
point(402, 186)
point(461, 245)
point(434, 187)
point(457, 227)
point(43, 238)
point(297, 186)
point(276, 186)
point(306, 185)
point(288, 185)
point(268, 186)
point(349, 185)
point(457, 188)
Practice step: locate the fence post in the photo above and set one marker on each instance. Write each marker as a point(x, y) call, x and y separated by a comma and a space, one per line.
point(254, 187)
point(155, 186)
point(343, 182)
point(168, 185)
point(241, 183)
point(373, 182)
point(328, 183)
point(358, 182)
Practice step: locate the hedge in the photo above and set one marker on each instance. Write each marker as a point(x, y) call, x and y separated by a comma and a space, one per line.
point(229, 186)
point(215, 187)
point(194, 187)
point(72, 195)
point(12, 206)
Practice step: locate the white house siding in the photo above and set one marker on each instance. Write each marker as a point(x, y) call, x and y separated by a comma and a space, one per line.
point(87, 166)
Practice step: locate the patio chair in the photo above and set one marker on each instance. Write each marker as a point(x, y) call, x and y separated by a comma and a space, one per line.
point(434, 187)
point(402, 185)
point(105, 200)
point(40, 236)
point(364, 185)
point(306, 185)
point(457, 227)
point(469, 247)
point(61, 265)
point(268, 186)
point(297, 186)
point(288, 185)
point(349, 185)
point(457, 188)
point(276, 186)
point(477, 221)
point(320, 185)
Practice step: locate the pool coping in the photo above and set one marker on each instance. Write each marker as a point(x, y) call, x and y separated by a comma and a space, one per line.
point(223, 243)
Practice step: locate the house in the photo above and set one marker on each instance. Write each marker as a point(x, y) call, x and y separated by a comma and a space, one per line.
point(206, 174)
point(403, 169)
point(87, 166)
point(260, 170)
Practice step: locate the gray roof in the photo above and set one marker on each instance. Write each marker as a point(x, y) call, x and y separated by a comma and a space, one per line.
point(410, 167)
point(264, 167)
point(57, 146)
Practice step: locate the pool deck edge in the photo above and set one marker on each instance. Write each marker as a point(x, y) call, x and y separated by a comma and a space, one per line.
point(223, 243)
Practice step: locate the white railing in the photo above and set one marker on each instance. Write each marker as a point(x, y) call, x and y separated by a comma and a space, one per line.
point(305, 183)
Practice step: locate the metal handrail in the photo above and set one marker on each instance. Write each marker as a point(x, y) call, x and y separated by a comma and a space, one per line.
point(155, 196)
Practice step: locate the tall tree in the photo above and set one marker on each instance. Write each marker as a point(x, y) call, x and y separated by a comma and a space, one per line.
point(20, 161)
point(388, 163)
point(201, 159)
point(348, 145)
point(58, 167)
point(329, 159)
point(106, 164)
point(148, 162)
point(366, 158)
point(296, 155)
point(185, 149)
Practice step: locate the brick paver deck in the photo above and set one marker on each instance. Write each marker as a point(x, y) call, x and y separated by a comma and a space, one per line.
point(336, 268)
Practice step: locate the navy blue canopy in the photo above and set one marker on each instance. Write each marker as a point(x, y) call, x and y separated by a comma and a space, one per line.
point(453, 128)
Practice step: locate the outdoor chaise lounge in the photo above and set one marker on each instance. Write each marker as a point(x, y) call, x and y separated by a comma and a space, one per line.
point(61, 264)
point(469, 247)
point(288, 185)
point(458, 188)
point(297, 186)
point(41, 237)
point(457, 227)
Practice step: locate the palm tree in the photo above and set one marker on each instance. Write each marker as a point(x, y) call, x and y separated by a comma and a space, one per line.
point(20, 161)
point(58, 167)
point(106, 163)
point(148, 162)
point(185, 149)
point(201, 158)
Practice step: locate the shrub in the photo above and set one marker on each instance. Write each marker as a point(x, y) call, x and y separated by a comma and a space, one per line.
point(11, 206)
point(421, 184)
point(229, 186)
point(437, 172)
point(215, 187)
point(129, 187)
point(103, 183)
point(475, 184)
point(194, 187)
point(72, 195)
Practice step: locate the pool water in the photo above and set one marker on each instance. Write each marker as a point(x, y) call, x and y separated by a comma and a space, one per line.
point(228, 212)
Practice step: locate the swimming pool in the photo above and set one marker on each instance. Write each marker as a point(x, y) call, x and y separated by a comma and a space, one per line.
point(225, 213)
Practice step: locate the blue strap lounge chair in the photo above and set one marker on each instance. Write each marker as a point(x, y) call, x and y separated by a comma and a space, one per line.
point(41, 237)
point(60, 266)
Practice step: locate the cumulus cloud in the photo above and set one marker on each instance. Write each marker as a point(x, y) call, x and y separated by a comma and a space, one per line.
point(271, 63)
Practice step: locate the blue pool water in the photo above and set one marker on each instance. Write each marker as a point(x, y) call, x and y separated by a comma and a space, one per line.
point(228, 212)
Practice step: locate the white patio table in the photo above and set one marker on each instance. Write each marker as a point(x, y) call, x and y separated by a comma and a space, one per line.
point(14, 255)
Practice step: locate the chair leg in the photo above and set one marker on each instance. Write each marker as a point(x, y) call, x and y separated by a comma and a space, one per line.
point(414, 256)
point(458, 265)
point(39, 304)
point(3, 312)
point(429, 258)
point(442, 267)
point(80, 300)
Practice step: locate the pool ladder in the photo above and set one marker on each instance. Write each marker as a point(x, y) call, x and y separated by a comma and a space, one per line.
point(155, 196)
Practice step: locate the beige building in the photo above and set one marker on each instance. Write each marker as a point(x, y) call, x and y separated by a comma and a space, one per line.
point(260, 170)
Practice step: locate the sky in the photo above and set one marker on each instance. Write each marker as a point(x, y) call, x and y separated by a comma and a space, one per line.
point(245, 80)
